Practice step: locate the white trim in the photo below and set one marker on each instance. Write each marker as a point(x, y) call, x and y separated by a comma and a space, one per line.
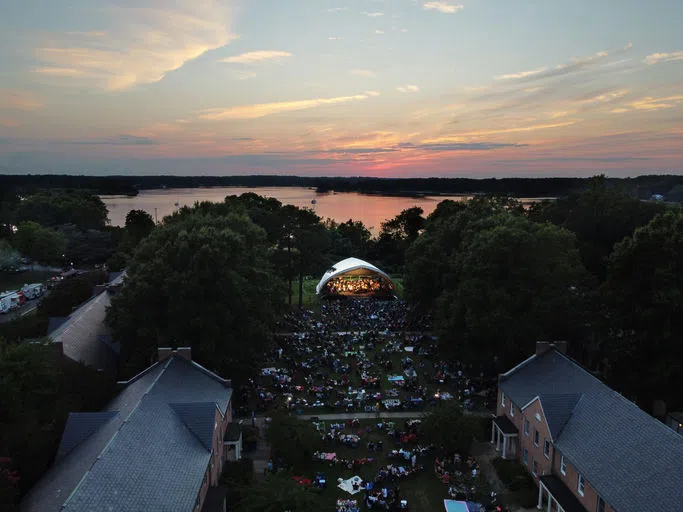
point(580, 482)
point(502, 398)
point(526, 427)
point(546, 455)
point(531, 402)
point(510, 372)
point(512, 409)
point(563, 466)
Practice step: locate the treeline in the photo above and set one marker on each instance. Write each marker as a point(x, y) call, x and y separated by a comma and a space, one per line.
point(598, 269)
point(642, 187)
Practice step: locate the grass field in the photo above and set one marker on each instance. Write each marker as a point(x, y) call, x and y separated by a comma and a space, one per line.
point(423, 490)
point(14, 281)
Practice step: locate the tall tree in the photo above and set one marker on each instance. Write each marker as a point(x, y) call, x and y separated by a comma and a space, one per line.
point(644, 297)
point(514, 282)
point(40, 244)
point(204, 280)
point(139, 224)
point(600, 216)
point(397, 235)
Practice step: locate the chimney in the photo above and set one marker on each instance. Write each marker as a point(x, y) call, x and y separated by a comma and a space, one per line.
point(185, 353)
point(544, 346)
point(164, 353)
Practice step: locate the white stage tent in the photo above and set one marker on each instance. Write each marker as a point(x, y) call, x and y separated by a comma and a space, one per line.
point(349, 266)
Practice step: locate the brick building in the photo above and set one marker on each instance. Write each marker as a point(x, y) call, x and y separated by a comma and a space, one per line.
point(587, 447)
point(159, 445)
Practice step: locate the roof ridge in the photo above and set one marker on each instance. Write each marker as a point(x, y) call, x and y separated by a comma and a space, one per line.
point(178, 409)
point(194, 364)
point(128, 382)
point(571, 414)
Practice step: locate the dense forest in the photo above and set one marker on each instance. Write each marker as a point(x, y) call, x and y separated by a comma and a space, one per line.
point(642, 187)
point(598, 268)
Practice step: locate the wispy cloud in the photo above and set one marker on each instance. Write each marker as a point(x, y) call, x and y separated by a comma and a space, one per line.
point(575, 65)
point(462, 146)
point(408, 88)
point(119, 140)
point(656, 58)
point(162, 39)
point(337, 9)
point(378, 31)
point(335, 38)
point(603, 97)
point(484, 133)
point(245, 75)
point(443, 6)
point(17, 99)
point(521, 74)
point(267, 109)
point(649, 103)
point(363, 72)
point(371, 93)
point(374, 14)
point(257, 57)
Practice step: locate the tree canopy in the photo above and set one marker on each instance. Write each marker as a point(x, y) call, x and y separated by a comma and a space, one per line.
point(55, 207)
point(202, 280)
point(44, 245)
point(643, 294)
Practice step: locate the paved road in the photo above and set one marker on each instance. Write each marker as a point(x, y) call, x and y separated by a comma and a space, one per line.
point(25, 309)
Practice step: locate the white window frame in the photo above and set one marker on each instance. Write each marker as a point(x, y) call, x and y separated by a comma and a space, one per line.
point(580, 485)
point(526, 428)
point(546, 443)
point(512, 409)
point(563, 466)
point(537, 437)
point(534, 466)
point(525, 457)
point(502, 398)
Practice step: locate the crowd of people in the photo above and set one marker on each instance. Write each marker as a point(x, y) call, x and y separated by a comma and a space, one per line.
point(364, 355)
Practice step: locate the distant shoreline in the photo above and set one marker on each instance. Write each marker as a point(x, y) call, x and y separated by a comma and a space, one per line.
point(643, 187)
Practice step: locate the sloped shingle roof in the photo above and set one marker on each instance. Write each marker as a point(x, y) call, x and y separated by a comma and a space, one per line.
point(633, 461)
point(79, 427)
point(146, 457)
point(199, 418)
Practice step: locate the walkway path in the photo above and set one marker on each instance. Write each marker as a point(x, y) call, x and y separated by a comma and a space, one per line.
point(262, 453)
point(382, 415)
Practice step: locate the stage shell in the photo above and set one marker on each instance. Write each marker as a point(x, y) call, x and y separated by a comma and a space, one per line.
point(349, 265)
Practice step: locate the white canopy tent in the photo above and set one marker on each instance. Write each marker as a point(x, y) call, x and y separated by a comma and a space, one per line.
point(346, 266)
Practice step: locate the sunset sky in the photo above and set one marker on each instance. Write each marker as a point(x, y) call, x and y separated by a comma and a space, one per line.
point(347, 87)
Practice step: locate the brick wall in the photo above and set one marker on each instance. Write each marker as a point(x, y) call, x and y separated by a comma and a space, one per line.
point(535, 453)
point(213, 472)
point(571, 481)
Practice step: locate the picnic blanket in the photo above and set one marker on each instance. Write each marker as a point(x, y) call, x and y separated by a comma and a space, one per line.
point(347, 485)
point(455, 506)
point(395, 378)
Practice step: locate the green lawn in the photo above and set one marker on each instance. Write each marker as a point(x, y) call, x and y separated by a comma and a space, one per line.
point(14, 281)
point(424, 491)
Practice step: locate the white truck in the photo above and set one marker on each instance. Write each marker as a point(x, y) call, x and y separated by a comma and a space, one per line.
point(33, 291)
point(6, 302)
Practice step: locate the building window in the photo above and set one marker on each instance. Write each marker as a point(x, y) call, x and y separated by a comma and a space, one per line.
point(601, 505)
point(526, 457)
point(526, 428)
point(502, 398)
point(536, 436)
point(580, 486)
point(546, 448)
point(512, 410)
point(563, 466)
point(534, 467)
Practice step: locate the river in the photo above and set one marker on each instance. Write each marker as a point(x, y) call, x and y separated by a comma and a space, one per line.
point(372, 210)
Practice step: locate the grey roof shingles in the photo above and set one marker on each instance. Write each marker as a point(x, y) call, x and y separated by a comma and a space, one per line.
point(79, 427)
point(146, 458)
point(199, 418)
point(558, 409)
point(631, 459)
